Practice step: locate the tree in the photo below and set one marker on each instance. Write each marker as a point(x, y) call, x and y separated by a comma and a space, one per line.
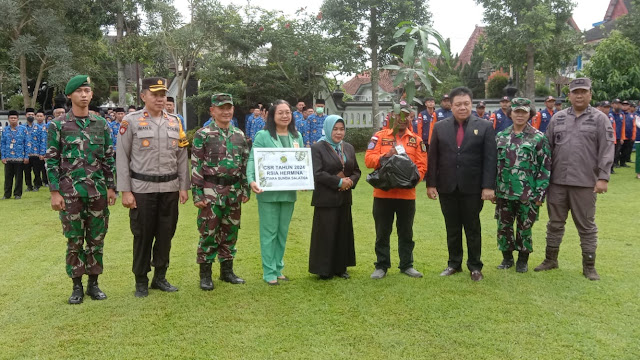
point(520, 30)
point(614, 69)
point(35, 32)
point(469, 72)
point(414, 65)
point(371, 24)
point(629, 25)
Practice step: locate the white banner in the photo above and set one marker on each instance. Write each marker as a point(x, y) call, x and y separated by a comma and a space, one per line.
point(280, 169)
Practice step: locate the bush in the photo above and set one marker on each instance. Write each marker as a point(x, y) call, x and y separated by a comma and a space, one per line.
point(16, 102)
point(359, 137)
point(496, 86)
point(542, 90)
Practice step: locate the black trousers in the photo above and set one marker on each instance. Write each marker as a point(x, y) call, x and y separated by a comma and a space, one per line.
point(155, 217)
point(617, 159)
point(383, 213)
point(12, 170)
point(41, 173)
point(625, 152)
point(463, 211)
point(33, 165)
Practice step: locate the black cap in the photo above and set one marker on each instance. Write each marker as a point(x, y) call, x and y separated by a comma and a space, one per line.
point(59, 106)
point(625, 102)
point(319, 101)
point(13, 113)
point(171, 99)
point(154, 84)
point(605, 104)
point(480, 104)
point(558, 102)
point(616, 101)
point(505, 98)
point(445, 97)
point(29, 110)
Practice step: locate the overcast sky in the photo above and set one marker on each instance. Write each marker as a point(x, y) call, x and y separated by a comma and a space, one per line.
point(454, 19)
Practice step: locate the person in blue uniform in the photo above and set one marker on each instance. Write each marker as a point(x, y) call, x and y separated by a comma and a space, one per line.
point(480, 111)
point(315, 123)
point(14, 155)
point(301, 119)
point(499, 117)
point(543, 117)
point(617, 117)
point(445, 108)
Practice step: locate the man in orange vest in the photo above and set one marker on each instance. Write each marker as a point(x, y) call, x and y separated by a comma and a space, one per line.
point(543, 117)
point(395, 202)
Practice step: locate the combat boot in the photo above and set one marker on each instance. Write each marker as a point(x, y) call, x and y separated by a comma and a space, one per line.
point(142, 286)
point(205, 277)
point(550, 261)
point(93, 290)
point(507, 260)
point(588, 266)
point(77, 295)
point(160, 282)
point(227, 275)
point(522, 265)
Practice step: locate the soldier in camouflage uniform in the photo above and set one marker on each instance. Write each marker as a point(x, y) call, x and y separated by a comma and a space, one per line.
point(524, 164)
point(80, 168)
point(219, 184)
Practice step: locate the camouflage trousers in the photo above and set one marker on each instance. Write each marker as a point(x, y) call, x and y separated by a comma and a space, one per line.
point(525, 215)
point(85, 219)
point(218, 226)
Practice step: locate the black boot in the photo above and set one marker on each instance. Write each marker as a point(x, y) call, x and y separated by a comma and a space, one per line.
point(522, 265)
point(93, 290)
point(205, 277)
point(77, 295)
point(160, 282)
point(507, 260)
point(550, 261)
point(142, 286)
point(227, 275)
point(589, 266)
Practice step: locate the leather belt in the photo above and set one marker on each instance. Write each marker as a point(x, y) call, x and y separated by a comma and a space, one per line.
point(154, 178)
point(220, 180)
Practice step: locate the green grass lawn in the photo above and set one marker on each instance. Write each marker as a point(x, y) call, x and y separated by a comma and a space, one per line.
point(551, 315)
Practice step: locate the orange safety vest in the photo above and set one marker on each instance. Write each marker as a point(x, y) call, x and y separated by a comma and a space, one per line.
point(381, 142)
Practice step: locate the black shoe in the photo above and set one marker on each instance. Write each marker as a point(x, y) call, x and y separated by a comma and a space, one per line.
point(624, 165)
point(227, 275)
point(37, 188)
point(93, 290)
point(18, 197)
point(142, 290)
point(77, 295)
point(507, 260)
point(325, 277)
point(160, 282)
point(4, 198)
point(344, 275)
point(206, 283)
point(522, 265)
point(29, 188)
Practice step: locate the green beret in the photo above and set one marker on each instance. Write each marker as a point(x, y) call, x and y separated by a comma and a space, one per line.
point(221, 99)
point(76, 82)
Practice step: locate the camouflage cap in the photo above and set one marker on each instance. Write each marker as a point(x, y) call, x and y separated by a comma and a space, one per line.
point(221, 99)
point(521, 104)
point(76, 82)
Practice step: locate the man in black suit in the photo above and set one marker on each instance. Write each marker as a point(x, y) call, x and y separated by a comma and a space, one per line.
point(462, 172)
